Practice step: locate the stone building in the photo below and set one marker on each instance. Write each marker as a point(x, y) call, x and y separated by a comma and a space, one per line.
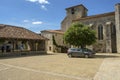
point(106, 25)
point(13, 38)
point(58, 36)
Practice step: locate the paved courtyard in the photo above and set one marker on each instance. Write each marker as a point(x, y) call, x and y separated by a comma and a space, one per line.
point(58, 66)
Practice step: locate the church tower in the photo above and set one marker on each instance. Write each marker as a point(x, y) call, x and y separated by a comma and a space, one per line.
point(73, 13)
point(117, 20)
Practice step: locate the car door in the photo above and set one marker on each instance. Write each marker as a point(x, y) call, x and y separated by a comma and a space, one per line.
point(75, 52)
point(79, 52)
point(85, 51)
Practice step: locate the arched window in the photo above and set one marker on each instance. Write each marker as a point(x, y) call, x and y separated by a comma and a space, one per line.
point(100, 32)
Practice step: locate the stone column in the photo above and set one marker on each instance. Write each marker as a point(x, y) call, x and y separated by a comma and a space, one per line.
point(117, 20)
point(36, 46)
point(108, 37)
point(28, 46)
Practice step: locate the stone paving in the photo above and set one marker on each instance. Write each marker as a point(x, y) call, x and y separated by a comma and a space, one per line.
point(60, 67)
point(109, 70)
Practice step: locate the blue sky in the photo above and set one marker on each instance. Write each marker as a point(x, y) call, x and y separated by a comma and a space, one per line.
point(37, 15)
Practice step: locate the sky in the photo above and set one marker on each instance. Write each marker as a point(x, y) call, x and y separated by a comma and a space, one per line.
point(38, 15)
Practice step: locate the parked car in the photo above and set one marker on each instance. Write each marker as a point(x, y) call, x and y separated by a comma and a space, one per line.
point(80, 52)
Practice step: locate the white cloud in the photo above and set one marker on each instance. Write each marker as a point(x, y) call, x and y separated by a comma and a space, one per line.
point(43, 7)
point(43, 1)
point(37, 22)
point(40, 1)
point(25, 21)
point(32, 0)
point(32, 22)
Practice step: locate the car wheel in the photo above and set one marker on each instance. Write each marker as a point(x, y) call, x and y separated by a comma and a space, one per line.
point(69, 55)
point(86, 56)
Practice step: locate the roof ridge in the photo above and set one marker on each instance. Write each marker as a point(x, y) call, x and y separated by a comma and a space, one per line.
point(97, 15)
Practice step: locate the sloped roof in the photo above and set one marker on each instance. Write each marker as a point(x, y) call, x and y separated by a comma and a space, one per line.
point(96, 16)
point(54, 31)
point(14, 32)
point(77, 6)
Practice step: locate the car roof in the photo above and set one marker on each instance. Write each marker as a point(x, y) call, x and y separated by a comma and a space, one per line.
point(80, 48)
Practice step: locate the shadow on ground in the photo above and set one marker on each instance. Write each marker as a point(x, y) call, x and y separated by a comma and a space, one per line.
point(103, 55)
point(8, 56)
point(116, 55)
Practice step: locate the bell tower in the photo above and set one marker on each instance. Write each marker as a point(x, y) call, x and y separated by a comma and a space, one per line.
point(73, 13)
point(76, 12)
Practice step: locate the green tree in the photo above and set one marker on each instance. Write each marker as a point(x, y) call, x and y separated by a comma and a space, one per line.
point(79, 35)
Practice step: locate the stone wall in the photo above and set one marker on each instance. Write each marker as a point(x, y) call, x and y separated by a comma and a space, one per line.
point(49, 44)
point(117, 19)
point(58, 38)
point(104, 45)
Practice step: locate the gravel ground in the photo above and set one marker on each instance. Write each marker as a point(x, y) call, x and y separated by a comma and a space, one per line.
point(51, 67)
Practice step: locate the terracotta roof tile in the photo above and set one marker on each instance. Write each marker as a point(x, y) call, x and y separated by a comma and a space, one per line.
point(8, 31)
point(54, 31)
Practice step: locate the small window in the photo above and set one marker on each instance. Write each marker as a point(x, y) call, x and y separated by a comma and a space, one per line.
point(50, 48)
point(72, 11)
